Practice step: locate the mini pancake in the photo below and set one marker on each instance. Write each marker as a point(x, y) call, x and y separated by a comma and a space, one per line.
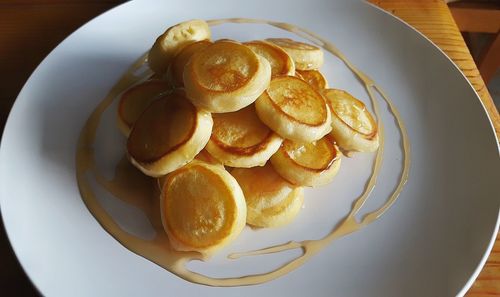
point(240, 139)
point(305, 56)
point(281, 63)
point(134, 100)
point(307, 164)
point(173, 40)
point(168, 134)
point(353, 127)
point(315, 78)
point(271, 200)
point(203, 156)
point(225, 77)
point(176, 69)
point(202, 208)
point(294, 109)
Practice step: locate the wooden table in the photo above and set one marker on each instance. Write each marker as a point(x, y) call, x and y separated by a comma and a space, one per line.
point(30, 29)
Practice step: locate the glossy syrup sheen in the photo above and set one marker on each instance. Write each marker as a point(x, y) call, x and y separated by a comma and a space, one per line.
point(239, 130)
point(351, 111)
point(316, 155)
point(133, 188)
point(298, 100)
point(314, 78)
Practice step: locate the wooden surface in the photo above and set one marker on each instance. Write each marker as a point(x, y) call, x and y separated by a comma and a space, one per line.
point(473, 17)
point(476, 16)
point(30, 29)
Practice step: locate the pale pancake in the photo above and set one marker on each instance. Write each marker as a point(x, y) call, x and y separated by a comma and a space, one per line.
point(173, 40)
point(304, 55)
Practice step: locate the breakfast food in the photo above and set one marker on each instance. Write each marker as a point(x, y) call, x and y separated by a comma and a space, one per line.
point(353, 127)
point(194, 208)
point(271, 200)
point(135, 100)
point(305, 56)
point(226, 76)
point(280, 61)
point(273, 147)
point(240, 139)
point(294, 110)
point(315, 78)
point(206, 157)
point(202, 208)
point(176, 69)
point(173, 40)
point(168, 134)
point(308, 164)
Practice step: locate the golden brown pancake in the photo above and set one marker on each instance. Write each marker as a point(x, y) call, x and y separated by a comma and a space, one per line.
point(315, 78)
point(281, 63)
point(225, 77)
point(176, 69)
point(294, 109)
point(240, 139)
point(202, 156)
point(169, 134)
point(205, 156)
point(353, 126)
point(202, 208)
point(134, 100)
point(309, 163)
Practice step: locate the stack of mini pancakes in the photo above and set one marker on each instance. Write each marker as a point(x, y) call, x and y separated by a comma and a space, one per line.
point(233, 131)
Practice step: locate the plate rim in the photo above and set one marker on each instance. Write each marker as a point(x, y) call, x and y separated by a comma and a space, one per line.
point(487, 252)
point(15, 105)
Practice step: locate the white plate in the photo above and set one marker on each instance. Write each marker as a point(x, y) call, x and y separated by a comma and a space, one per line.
point(432, 242)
